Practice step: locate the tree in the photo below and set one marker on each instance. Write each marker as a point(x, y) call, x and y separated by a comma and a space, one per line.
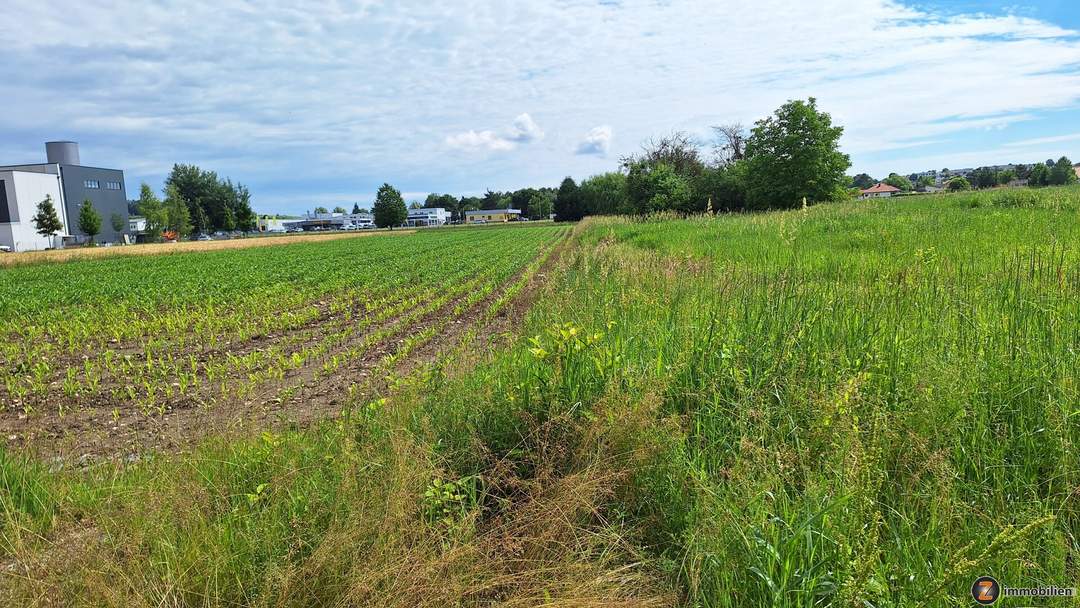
point(117, 222)
point(958, 184)
point(898, 181)
point(389, 208)
point(603, 194)
point(1062, 173)
point(794, 155)
point(1039, 176)
point(46, 221)
point(340, 209)
point(89, 220)
point(415, 205)
point(176, 214)
point(651, 188)
point(926, 182)
point(722, 188)
point(568, 202)
point(356, 208)
point(541, 204)
point(863, 181)
point(984, 177)
point(730, 144)
point(678, 151)
point(221, 202)
point(321, 209)
point(149, 206)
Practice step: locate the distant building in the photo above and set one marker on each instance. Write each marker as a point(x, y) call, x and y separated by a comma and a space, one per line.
point(484, 216)
point(314, 222)
point(1076, 169)
point(271, 224)
point(69, 183)
point(879, 191)
point(427, 216)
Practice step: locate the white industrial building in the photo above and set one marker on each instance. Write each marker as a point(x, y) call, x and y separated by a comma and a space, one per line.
point(69, 183)
point(20, 193)
point(427, 216)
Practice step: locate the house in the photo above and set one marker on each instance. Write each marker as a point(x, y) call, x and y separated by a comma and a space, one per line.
point(69, 183)
point(485, 216)
point(427, 216)
point(1076, 169)
point(879, 191)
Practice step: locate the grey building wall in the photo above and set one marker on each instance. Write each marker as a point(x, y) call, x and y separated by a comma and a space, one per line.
point(106, 201)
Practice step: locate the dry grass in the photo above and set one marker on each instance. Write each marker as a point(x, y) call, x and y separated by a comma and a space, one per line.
point(63, 255)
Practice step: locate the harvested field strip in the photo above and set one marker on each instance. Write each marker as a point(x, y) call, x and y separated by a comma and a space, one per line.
point(82, 253)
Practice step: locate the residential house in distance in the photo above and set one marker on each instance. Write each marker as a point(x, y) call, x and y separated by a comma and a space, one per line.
point(1076, 169)
point(427, 216)
point(69, 183)
point(879, 191)
point(485, 216)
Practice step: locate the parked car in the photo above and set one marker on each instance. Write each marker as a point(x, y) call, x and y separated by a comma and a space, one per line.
point(5, 249)
point(203, 237)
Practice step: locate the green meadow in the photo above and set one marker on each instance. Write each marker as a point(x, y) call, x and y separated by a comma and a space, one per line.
point(854, 404)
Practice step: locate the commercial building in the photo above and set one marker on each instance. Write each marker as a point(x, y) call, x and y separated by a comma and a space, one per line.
point(433, 216)
point(69, 183)
point(314, 222)
point(485, 216)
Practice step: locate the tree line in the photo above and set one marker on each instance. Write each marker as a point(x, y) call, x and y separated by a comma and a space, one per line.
point(786, 160)
point(1038, 175)
point(195, 202)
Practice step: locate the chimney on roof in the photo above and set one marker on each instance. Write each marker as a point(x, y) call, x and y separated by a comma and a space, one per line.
point(62, 152)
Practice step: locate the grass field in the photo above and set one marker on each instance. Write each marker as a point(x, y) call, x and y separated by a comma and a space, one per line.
point(861, 404)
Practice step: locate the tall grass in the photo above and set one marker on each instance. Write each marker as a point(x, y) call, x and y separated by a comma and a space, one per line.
point(867, 404)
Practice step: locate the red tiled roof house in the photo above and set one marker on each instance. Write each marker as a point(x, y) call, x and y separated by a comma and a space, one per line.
point(879, 191)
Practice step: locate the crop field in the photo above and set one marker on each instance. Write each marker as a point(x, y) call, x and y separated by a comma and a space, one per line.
point(859, 404)
point(104, 355)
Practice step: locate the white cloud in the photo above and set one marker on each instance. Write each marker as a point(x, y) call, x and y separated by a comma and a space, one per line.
point(597, 141)
point(344, 96)
point(1038, 141)
point(523, 130)
point(479, 140)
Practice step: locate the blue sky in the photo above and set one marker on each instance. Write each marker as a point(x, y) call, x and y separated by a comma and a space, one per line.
point(320, 103)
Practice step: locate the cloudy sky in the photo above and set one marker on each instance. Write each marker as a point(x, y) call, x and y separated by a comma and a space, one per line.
point(320, 102)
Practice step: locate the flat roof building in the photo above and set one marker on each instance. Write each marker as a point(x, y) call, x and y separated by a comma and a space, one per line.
point(427, 216)
point(68, 183)
point(484, 216)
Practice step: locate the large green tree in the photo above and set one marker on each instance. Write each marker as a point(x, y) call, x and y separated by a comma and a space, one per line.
point(46, 221)
point(1062, 173)
point(604, 194)
point(898, 181)
point(389, 208)
point(89, 220)
point(568, 207)
point(177, 213)
point(862, 181)
point(1039, 176)
point(658, 187)
point(152, 210)
point(215, 203)
point(793, 155)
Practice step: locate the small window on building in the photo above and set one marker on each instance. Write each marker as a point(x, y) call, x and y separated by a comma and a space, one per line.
point(112, 185)
point(92, 183)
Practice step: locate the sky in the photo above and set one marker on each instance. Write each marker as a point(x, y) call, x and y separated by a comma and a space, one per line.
point(319, 103)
